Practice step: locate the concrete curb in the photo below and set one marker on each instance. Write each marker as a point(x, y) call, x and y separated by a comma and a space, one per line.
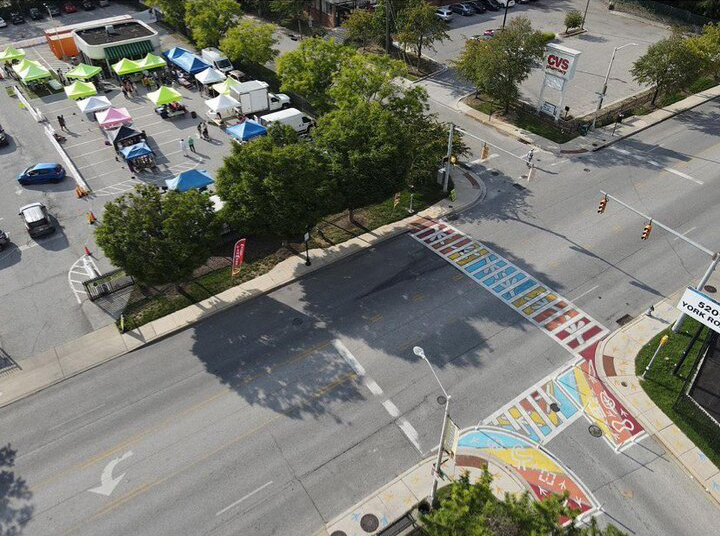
point(105, 344)
point(618, 353)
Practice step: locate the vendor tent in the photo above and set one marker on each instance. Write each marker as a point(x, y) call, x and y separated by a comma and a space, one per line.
point(94, 104)
point(222, 103)
point(12, 53)
point(78, 90)
point(226, 87)
point(113, 117)
point(83, 71)
point(33, 71)
point(136, 151)
point(246, 130)
point(164, 95)
point(175, 52)
point(187, 180)
point(126, 66)
point(209, 76)
point(190, 63)
point(151, 61)
point(124, 135)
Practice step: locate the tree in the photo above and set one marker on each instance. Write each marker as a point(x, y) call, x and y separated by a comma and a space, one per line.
point(209, 21)
point(309, 70)
point(366, 148)
point(276, 184)
point(289, 11)
point(573, 19)
point(670, 64)
point(472, 510)
point(260, 6)
point(707, 46)
point(159, 238)
point(173, 11)
point(363, 77)
point(419, 27)
point(497, 66)
point(250, 41)
point(363, 27)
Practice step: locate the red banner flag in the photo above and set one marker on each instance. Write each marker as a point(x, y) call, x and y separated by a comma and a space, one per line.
point(238, 255)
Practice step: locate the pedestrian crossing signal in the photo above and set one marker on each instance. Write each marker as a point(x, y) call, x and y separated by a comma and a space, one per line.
point(603, 203)
point(646, 231)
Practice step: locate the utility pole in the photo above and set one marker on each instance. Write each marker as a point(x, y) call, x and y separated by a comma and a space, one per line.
point(446, 179)
point(582, 26)
point(387, 26)
point(507, 5)
point(605, 83)
point(714, 256)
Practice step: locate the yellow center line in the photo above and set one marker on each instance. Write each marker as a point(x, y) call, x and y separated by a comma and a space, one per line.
point(140, 435)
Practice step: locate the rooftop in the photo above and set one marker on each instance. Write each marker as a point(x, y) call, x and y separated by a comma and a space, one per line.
point(122, 31)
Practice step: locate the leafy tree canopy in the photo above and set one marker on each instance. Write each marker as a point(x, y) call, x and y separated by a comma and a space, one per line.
point(209, 21)
point(419, 27)
point(250, 41)
point(365, 77)
point(173, 11)
point(364, 27)
point(573, 19)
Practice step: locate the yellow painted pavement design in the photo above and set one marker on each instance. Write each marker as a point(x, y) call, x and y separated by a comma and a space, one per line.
point(528, 457)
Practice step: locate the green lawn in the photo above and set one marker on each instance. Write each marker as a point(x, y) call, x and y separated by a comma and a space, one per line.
point(663, 388)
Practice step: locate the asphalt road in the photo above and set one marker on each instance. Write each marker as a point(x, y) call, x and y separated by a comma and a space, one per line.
point(255, 422)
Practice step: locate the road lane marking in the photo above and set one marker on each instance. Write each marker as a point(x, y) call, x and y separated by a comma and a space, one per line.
point(685, 233)
point(588, 291)
point(374, 387)
point(391, 408)
point(108, 483)
point(347, 356)
point(410, 433)
point(76, 417)
point(233, 505)
point(683, 175)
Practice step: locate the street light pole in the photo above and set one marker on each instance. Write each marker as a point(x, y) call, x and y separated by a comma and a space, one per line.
point(605, 83)
point(418, 351)
point(507, 5)
point(52, 21)
point(446, 179)
point(582, 25)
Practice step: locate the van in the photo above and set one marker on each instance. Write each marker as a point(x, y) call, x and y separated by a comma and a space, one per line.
point(292, 117)
point(217, 59)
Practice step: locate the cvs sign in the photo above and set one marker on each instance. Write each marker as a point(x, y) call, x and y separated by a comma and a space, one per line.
point(560, 61)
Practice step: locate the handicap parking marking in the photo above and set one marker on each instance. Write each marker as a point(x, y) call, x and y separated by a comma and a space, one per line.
point(82, 269)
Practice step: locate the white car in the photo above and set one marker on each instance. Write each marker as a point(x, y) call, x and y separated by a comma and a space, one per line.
point(444, 13)
point(508, 3)
point(2, 23)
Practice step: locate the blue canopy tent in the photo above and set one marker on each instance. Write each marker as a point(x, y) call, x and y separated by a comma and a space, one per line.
point(246, 130)
point(187, 180)
point(190, 63)
point(175, 52)
point(136, 151)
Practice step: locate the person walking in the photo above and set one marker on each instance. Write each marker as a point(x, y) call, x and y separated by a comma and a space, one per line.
point(124, 91)
point(191, 144)
point(183, 146)
point(529, 157)
point(199, 129)
point(61, 122)
point(206, 134)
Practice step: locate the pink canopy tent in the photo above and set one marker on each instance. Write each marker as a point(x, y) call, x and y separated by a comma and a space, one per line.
point(113, 117)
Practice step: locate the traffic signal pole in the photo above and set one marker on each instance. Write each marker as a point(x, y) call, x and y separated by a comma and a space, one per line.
point(715, 257)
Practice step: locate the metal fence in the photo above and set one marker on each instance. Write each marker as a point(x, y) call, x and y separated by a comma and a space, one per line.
point(107, 284)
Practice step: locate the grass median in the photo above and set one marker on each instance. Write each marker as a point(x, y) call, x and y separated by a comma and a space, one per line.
point(664, 388)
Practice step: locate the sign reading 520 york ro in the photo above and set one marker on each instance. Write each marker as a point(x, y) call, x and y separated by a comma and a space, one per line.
point(701, 307)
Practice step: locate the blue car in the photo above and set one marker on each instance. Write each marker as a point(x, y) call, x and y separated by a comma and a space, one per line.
point(42, 174)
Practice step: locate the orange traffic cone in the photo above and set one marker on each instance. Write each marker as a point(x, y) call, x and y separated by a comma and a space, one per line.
point(87, 252)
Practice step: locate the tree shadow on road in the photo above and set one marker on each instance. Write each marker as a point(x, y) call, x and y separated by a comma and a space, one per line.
point(16, 507)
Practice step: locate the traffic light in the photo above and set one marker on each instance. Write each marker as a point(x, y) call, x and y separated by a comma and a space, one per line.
point(603, 203)
point(646, 231)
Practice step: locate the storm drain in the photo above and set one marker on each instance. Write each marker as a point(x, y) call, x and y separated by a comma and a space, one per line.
point(624, 320)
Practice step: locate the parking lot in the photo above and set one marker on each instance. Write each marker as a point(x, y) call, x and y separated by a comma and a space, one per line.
point(606, 30)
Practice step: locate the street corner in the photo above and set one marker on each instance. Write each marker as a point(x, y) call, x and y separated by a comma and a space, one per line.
point(522, 464)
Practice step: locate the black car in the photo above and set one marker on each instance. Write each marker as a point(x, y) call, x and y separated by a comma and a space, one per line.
point(87, 5)
point(35, 13)
point(492, 5)
point(16, 18)
point(3, 138)
point(477, 6)
point(462, 9)
point(52, 9)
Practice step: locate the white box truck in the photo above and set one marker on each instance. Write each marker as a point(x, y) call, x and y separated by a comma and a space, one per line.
point(217, 59)
point(255, 97)
point(292, 117)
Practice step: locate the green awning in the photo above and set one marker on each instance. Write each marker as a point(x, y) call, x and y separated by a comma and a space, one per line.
point(129, 50)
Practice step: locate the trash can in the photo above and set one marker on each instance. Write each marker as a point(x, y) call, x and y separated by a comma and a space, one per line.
point(193, 114)
point(584, 129)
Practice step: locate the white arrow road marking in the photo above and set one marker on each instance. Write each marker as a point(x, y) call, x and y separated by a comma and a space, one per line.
point(107, 482)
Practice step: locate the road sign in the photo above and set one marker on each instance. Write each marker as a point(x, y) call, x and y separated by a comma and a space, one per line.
point(451, 435)
point(238, 255)
point(701, 307)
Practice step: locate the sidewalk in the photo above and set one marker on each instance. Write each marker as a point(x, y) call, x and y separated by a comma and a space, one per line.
point(23, 377)
point(615, 362)
point(600, 137)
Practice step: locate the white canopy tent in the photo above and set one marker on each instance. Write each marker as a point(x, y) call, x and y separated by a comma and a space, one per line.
point(94, 104)
point(222, 103)
point(209, 76)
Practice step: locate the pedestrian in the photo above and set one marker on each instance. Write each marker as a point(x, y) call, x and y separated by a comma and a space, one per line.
point(183, 146)
point(61, 122)
point(60, 75)
point(206, 135)
point(529, 157)
point(199, 129)
point(124, 91)
point(130, 166)
point(191, 144)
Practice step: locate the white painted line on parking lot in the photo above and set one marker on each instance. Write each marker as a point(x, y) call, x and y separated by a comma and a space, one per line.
point(233, 505)
point(685, 233)
point(84, 266)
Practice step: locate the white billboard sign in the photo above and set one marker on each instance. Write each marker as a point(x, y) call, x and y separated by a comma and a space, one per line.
point(701, 307)
point(560, 61)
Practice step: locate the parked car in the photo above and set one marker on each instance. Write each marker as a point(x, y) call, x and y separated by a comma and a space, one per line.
point(444, 13)
point(508, 3)
point(479, 7)
point(69, 7)
point(42, 174)
point(487, 34)
point(3, 24)
point(35, 13)
point(462, 9)
point(492, 5)
point(87, 5)
point(16, 18)
point(4, 239)
point(52, 9)
point(3, 138)
point(37, 220)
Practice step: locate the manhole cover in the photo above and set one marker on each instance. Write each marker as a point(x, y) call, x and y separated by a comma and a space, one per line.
point(710, 289)
point(441, 400)
point(297, 321)
point(594, 430)
point(554, 406)
point(494, 173)
point(338, 533)
point(624, 320)
point(369, 523)
point(586, 169)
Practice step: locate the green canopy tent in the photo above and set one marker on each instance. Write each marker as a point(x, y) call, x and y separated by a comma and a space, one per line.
point(83, 72)
point(34, 72)
point(151, 61)
point(126, 66)
point(78, 90)
point(164, 95)
point(226, 87)
point(25, 64)
point(12, 53)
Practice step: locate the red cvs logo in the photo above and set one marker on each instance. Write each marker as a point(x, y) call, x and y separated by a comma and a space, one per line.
point(557, 63)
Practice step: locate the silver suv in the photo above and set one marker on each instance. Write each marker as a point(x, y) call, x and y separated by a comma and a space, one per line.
point(37, 219)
